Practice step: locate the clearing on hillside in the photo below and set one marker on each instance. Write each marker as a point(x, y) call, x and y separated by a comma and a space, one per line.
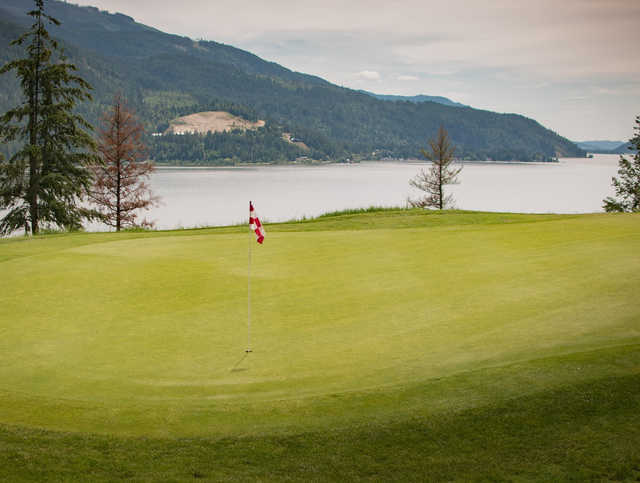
point(290, 138)
point(210, 121)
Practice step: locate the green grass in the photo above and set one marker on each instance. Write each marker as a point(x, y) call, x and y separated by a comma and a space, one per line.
point(580, 433)
point(388, 344)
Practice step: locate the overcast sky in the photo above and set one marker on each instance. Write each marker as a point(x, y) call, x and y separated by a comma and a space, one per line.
point(573, 65)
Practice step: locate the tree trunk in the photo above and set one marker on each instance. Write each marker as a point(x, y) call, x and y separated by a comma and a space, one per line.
point(119, 171)
point(34, 175)
point(440, 183)
point(118, 200)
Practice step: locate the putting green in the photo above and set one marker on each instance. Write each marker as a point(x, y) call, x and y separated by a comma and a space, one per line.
point(144, 334)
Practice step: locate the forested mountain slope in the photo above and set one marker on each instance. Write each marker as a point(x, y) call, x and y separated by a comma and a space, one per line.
point(165, 76)
point(418, 98)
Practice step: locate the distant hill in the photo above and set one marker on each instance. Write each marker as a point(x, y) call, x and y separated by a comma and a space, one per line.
point(415, 99)
point(166, 76)
point(600, 146)
point(605, 147)
point(624, 148)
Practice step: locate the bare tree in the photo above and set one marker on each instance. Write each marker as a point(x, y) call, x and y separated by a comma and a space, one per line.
point(120, 187)
point(441, 173)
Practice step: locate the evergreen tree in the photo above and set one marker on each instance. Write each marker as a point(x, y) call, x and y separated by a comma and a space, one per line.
point(432, 182)
point(44, 182)
point(120, 190)
point(628, 186)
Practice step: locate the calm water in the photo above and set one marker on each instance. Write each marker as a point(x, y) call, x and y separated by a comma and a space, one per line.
point(220, 196)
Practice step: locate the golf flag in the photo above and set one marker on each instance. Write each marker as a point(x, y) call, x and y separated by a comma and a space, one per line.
point(255, 224)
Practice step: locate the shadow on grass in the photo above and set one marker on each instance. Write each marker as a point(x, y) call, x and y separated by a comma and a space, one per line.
point(236, 367)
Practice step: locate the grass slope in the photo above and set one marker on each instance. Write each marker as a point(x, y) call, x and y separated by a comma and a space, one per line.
point(387, 344)
point(579, 433)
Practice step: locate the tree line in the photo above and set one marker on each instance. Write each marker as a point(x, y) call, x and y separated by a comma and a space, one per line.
point(263, 145)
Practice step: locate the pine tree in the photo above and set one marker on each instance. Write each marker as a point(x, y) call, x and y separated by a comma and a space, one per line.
point(432, 182)
point(628, 185)
point(119, 189)
point(44, 182)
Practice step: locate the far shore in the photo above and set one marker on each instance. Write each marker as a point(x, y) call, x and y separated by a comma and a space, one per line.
point(334, 163)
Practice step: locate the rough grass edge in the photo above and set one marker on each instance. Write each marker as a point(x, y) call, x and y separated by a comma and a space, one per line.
point(346, 214)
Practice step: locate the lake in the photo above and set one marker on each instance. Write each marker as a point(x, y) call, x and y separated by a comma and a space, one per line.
point(194, 197)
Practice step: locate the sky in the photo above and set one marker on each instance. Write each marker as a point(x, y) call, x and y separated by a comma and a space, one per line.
point(572, 65)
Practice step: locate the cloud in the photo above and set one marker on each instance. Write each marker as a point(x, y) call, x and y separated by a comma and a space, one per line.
point(408, 78)
point(368, 75)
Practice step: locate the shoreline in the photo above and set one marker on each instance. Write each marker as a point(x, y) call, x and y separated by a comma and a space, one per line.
point(408, 162)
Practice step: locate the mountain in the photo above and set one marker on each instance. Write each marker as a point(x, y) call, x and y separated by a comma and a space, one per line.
point(166, 76)
point(624, 148)
point(415, 99)
point(606, 147)
point(600, 146)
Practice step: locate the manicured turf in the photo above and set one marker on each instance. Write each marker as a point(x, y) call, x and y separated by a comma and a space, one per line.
point(390, 344)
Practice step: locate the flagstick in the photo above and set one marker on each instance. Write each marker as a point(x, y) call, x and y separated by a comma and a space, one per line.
point(249, 295)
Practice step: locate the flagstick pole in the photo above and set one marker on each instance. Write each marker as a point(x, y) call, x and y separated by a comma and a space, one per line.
point(249, 294)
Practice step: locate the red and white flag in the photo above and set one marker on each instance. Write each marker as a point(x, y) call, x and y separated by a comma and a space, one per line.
point(255, 224)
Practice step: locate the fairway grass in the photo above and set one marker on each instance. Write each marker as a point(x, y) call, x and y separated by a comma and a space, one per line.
point(457, 343)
